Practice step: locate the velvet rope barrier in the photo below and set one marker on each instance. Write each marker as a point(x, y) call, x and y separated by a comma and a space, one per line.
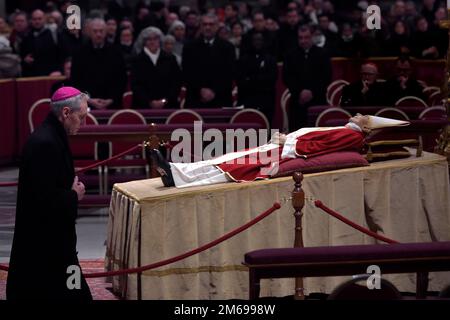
point(185, 255)
point(209, 245)
point(8, 184)
point(375, 235)
point(94, 165)
point(81, 170)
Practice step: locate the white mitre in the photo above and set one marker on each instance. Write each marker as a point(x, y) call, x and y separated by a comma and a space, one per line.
point(380, 122)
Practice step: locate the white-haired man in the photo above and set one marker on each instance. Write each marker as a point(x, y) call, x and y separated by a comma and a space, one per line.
point(44, 245)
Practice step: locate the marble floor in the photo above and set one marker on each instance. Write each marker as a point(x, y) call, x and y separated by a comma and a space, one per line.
point(91, 224)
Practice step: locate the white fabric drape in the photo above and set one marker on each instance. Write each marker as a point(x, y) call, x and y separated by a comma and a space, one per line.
point(406, 200)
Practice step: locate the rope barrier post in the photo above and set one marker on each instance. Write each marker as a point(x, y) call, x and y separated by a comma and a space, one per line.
point(153, 143)
point(421, 285)
point(298, 202)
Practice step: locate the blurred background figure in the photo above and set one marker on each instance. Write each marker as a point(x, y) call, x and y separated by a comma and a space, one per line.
point(178, 30)
point(237, 30)
point(244, 11)
point(99, 68)
point(365, 92)
point(155, 74)
point(9, 61)
point(168, 45)
point(39, 50)
point(223, 32)
point(272, 25)
point(399, 41)
point(126, 23)
point(348, 44)
point(111, 29)
point(208, 67)
point(259, 25)
point(5, 29)
point(170, 19)
point(441, 34)
point(256, 77)
point(19, 30)
point(67, 68)
point(192, 23)
point(429, 8)
point(287, 35)
point(307, 73)
point(126, 46)
point(425, 44)
point(231, 14)
point(403, 83)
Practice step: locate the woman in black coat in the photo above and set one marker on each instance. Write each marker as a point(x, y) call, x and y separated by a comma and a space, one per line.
point(155, 75)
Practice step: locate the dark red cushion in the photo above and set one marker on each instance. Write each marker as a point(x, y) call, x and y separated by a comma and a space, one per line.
point(326, 162)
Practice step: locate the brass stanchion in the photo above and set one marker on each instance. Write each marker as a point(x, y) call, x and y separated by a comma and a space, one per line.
point(443, 143)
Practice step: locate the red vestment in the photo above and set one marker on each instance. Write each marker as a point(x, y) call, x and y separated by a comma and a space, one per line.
point(308, 145)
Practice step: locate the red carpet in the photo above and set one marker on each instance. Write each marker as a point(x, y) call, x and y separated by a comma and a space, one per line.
point(99, 288)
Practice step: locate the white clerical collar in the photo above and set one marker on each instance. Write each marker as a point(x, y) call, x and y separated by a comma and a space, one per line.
point(353, 126)
point(98, 46)
point(153, 56)
point(210, 41)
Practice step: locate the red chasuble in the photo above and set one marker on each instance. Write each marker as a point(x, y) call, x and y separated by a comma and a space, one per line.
point(308, 145)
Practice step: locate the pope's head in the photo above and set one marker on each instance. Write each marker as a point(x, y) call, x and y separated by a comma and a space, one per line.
point(362, 122)
point(70, 107)
point(368, 123)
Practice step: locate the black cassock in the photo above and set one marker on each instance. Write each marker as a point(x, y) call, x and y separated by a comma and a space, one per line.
point(44, 244)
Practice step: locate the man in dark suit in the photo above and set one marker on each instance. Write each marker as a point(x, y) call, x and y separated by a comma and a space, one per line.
point(208, 64)
point(40, 52)
point(402, 84)
point(155, 75)
point(44, 262)
point(306, 73)
point(287, 34)
point(99, 69)
point(256, 77)
point(365, 92)
point(259, 26)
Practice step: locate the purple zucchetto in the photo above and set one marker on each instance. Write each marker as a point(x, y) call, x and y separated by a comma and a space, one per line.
point(64, 93)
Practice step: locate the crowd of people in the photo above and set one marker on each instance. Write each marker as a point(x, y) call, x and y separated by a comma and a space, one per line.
point(207, 48)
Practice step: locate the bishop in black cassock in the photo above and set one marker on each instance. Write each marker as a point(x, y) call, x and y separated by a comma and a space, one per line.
point(44, 243)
